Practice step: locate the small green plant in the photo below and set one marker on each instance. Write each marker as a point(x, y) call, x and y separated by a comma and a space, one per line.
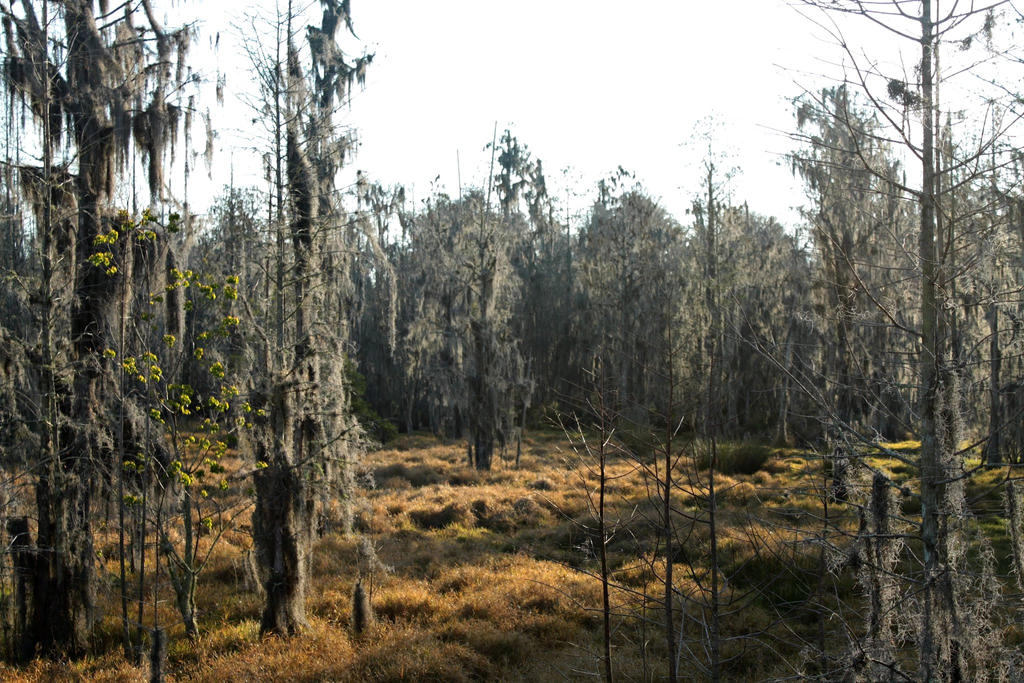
point(196, 426)
point(742, 457)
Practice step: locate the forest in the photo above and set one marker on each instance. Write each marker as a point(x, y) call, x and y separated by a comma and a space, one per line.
point(319, 428)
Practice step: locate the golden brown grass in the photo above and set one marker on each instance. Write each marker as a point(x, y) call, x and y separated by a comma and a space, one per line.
point(493, 574)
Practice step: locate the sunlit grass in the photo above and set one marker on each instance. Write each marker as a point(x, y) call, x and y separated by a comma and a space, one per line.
point(493, 574)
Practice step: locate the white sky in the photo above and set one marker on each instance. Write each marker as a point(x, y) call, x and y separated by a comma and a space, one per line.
point(587, 85)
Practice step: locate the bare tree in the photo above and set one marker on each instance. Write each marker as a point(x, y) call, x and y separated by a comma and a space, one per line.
point(909, 104)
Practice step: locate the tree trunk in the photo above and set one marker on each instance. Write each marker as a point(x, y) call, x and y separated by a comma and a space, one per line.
point(182, 570)
point(931, 362)
point(283, 517)
point(62, 599)
point(782, 436)
point(23, 562)
point(280, 527)
point(483, 451)
point(714, 598)
point(157, 655)
point(602, 534)
point(993, 449)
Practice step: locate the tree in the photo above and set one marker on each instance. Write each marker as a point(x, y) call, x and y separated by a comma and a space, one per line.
point(630, 271)
point(111, 84)
point(459, 332)
point(303, 434)
point(858, 223)
point(948, 614)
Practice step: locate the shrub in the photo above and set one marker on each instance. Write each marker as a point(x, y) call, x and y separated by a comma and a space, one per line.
point(464, 477)
point(397, 483)
point(503, 645)
point(528, 512)
point(744, 457)
point(380, 429)
point(452, 513)
point(416, 475)
point(411, 656)
point(494, 517)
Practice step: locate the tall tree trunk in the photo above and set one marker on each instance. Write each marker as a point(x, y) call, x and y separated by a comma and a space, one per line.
point(668, 531)
point(602, 531)
point(782, 436)
point(62, 598)
point(183, 569)
point(62, 582)
point(993, 449)
point(284, 514)
point(931, 364)
point(280, 527)
point(483, 451)
point(714, 628)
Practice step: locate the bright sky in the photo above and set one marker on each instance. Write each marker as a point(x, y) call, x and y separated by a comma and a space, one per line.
point(587, 85)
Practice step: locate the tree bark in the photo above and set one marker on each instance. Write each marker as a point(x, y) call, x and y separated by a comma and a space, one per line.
point(931, 360)
point(993, 449)
point(280, 526)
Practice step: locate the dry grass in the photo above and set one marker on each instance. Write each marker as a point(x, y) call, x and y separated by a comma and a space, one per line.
point(493, 574)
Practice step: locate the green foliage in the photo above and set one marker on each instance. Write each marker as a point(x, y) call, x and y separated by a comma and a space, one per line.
point(381, 429)
point(196, 423)
point(736, 457)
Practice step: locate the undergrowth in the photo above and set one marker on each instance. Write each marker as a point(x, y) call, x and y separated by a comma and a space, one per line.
point(492, 576)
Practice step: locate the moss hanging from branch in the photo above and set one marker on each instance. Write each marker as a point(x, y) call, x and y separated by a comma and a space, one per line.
point(90, 89)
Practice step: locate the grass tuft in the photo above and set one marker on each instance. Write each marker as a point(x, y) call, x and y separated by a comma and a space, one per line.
point(744, 457)
point(454, 513)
